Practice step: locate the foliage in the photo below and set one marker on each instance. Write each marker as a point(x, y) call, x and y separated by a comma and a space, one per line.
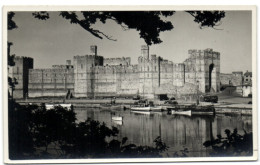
point(207, 18)
point(36, 133)
point(20, 137)
point(149, 24)
point(233, 144)
point(10, 23)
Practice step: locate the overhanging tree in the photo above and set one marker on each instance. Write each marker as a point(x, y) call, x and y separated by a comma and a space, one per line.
point(149, 24)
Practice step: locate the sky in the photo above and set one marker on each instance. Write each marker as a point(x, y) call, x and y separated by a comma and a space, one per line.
point(55, 40)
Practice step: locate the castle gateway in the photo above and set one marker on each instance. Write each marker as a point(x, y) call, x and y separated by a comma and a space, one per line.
point(92, 76)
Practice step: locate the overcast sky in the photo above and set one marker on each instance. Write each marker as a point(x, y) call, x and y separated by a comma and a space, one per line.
point(55, 40)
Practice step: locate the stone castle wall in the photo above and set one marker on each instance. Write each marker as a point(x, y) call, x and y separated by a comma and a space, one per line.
point(53, 82)
point(231, 79)
point(117, 61)
point(20, 72)
point(85, 83)
point(116, 81)
point(93, 76)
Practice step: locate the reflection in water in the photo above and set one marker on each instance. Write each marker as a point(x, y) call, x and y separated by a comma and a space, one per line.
point(178, 132)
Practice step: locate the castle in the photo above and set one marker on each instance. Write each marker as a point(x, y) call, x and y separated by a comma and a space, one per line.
point(93, 76)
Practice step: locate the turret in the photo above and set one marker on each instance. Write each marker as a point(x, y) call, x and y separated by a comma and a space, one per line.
point(145, 51)
point(93, 49)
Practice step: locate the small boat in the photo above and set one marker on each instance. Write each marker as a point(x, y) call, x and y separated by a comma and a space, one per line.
point(117, 118)
point(196, 110)
point(110, 106)
point(181, 112)
point(51, 106)
point(149, 108)
point(143, 112)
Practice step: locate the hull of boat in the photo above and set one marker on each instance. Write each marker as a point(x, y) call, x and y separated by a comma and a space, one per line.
point(141, 108)
point(195, 110)
point(146, 108)
point(117, 118)
point(188, 112)
point(142, 112)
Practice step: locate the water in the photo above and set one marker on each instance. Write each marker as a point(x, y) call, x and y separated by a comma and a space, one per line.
point(178, 132)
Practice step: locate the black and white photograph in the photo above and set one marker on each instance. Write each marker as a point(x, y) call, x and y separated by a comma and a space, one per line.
point(122, 84)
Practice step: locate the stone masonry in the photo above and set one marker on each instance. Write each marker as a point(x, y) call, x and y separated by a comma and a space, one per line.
point(92, 76)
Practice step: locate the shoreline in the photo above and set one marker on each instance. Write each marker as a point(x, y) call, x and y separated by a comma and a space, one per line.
point(220, 108)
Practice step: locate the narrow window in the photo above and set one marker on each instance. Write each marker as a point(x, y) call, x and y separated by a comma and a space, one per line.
point(81, 66)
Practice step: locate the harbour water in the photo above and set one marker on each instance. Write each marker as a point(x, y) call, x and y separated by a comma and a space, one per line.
point(178, 132)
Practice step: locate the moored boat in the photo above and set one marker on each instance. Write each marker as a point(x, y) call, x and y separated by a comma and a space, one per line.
point(110, 106)
point(181, 112)
point(117, 118)
point(148, 108)
point(142, 112)
point(51, 106)
point(195, 110)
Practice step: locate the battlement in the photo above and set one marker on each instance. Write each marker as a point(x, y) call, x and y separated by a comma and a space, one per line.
point(164, 62)
point(179, 66)
point(78, 57)
point(153, 57)
point(22, 57)
point(208, 50)
point(115, 69)
point(62, 66)
point(50, 70)
point(194, 53)
point(117, 61)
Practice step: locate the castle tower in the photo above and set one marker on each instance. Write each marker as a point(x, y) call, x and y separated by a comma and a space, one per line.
point(20, 72)
point(149, 78)
point(93, 50)
point(84, 73)
point(145, 51)
point(202, 68)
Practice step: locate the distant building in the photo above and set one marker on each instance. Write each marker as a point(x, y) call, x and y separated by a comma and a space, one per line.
point(242, 82)
point(248, 78)
point(95, 76)
point(231, 79)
